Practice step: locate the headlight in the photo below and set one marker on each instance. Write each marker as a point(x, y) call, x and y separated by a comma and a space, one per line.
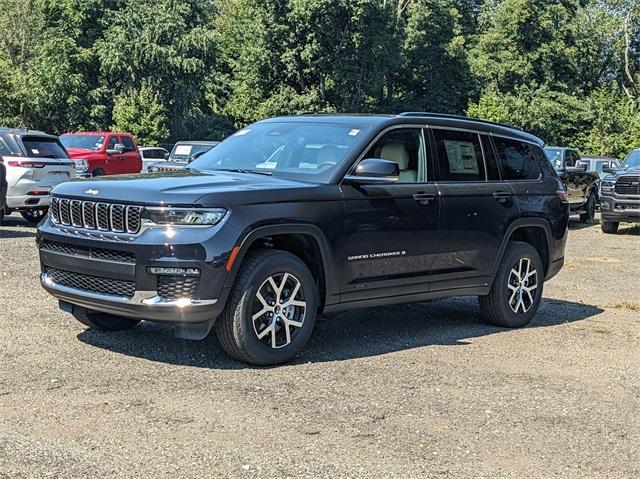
point(608, 186)
point(183, 216)
point(81, 166)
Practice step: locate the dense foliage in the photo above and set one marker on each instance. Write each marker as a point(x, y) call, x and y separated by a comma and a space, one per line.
point(567, 70)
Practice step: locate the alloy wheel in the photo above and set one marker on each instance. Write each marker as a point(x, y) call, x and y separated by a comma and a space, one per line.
point(279, 310)
point(523, 284)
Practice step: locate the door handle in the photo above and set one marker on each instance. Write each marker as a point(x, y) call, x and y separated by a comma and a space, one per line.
point(424, 198)
point(501, 196)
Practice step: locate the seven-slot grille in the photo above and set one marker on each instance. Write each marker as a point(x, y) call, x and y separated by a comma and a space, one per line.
point(628, 185)
point(92, 284)
point(111, 217)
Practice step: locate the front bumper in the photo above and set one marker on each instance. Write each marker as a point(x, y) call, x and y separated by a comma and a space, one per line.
point(145, 305)
point(79, 268)
point(620, 209)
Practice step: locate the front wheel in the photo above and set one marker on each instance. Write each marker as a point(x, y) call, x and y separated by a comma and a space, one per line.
point(517, 289)
point(272, 310)
point(34, 216)
point(590, 209)
point(609, 227)
point(103, 321)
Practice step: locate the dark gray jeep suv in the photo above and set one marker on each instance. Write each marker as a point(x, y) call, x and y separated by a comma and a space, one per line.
point(291, 217)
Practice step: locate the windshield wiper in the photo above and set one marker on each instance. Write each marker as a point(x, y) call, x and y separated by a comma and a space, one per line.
point(243, 170)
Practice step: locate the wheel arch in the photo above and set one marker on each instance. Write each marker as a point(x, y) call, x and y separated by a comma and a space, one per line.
point(534, 231)
point(305, 241)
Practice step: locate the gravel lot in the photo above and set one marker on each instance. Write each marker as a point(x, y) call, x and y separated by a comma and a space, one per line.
point(422, 390)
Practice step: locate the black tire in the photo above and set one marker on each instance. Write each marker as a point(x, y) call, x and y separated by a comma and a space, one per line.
point(103, 321)
point(609, 227)
point(34, 216)
point(497, 307)
point(236, 328)
point(590, 207)
point(98, 172)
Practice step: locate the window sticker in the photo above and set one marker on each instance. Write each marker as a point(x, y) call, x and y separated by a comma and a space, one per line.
point(354, 132)
point(462, 157)
point(35, 151)
point(242, 132)
point(183, 149)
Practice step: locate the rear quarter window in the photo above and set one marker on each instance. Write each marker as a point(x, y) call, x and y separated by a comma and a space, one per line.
point(517, 159)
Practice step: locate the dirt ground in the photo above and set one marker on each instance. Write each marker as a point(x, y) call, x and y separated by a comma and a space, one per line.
point(422, 390)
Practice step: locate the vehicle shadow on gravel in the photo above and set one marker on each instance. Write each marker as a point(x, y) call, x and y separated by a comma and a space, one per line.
point(349, 335)
point(27, 230)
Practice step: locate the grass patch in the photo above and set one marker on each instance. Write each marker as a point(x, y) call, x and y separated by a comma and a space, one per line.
point(630, 305)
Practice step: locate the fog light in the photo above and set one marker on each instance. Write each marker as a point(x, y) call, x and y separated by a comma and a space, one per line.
point(605, 205)
point(174, 271)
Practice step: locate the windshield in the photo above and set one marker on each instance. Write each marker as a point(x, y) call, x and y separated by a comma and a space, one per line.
point(309, 149)
point(632, 160)
point(555, 157)
point(185, 151)
point(86, 142)
point(44, 148)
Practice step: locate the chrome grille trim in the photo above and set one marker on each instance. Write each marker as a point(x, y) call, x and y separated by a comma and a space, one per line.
point(91, 215)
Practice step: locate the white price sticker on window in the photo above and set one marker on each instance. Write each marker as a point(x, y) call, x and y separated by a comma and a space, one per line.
point(183, 149)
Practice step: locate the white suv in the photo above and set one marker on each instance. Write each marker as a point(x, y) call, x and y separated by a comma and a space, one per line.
point(35, 163)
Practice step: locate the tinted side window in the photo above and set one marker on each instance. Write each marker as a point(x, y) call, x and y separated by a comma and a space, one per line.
point(128, 144)
point(459, 156)
point(517, 160)
point(570, 158)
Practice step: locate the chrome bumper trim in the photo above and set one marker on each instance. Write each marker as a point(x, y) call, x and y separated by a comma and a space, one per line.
point(149, 298)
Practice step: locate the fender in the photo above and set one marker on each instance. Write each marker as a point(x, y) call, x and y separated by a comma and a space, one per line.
point(247, 239)
point(523, 223)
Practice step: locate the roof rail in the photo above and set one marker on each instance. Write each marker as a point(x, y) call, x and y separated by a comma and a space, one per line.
point(457, 117)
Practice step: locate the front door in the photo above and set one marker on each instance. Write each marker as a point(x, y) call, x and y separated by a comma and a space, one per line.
point(476, 208)
point(389, 229)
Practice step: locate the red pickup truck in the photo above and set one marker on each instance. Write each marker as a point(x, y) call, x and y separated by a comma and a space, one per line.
point(103, 153)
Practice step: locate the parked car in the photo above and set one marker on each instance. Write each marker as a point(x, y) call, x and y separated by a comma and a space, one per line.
point(183, 153)
point(595, 164)
point(620, 194)
point(103, 153)
point(581, 185)
point(35, 162)
point(389, 209)
point(152, 155)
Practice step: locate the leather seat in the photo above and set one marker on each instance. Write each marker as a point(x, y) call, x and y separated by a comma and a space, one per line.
point(398, 153)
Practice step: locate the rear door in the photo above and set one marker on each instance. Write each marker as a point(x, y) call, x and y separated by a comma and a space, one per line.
point(476, 209)
point(390, 229)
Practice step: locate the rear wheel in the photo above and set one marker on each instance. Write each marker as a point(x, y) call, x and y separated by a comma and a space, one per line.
point(272, 310)
point(103, 321)
point(609, 227)
point(517, 289)
point(590, 208)
point(34, 216)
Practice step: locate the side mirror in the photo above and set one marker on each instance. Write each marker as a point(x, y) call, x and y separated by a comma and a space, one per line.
point(374, 171)
point(576, 169)
point(608, 169)
point(117, 149)
point(166, 155)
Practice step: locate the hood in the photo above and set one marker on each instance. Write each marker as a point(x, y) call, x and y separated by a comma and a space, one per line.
point(81, 152)
point(180, 188)
point(635, 170)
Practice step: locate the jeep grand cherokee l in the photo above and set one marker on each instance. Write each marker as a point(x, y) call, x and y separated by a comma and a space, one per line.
point(620, 194)
point(290, 217)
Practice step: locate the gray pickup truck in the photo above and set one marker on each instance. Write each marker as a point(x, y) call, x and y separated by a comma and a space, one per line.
point(620, 194)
